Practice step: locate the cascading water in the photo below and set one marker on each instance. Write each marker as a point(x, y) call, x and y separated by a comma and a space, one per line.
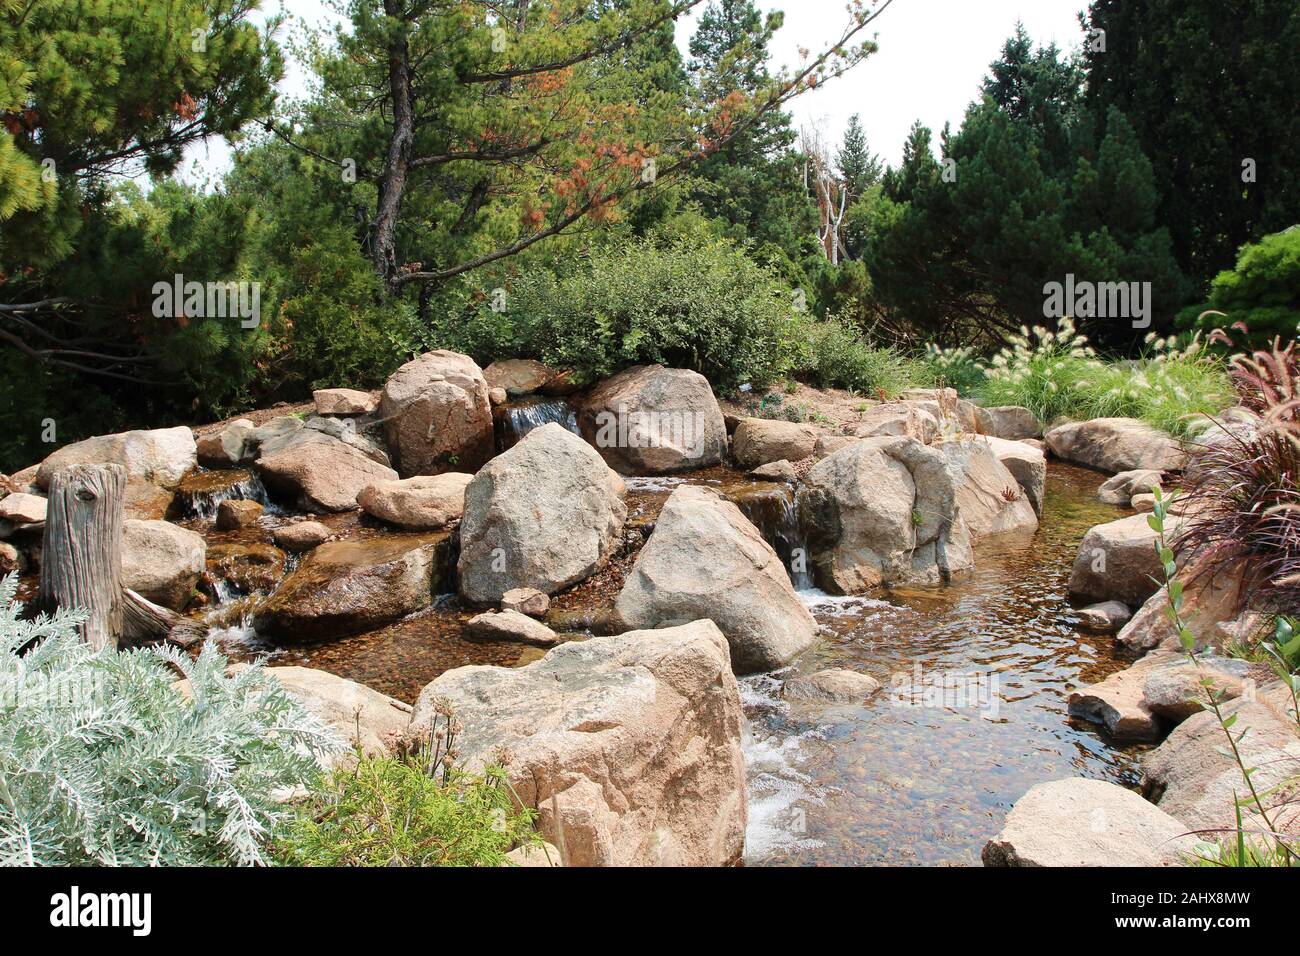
point(201, 493)
point(512, 422)
point(774, 510)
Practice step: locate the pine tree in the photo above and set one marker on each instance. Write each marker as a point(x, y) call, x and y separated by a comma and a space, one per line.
point(858, 166)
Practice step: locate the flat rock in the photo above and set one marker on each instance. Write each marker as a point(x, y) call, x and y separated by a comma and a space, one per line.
point(510, 626)
point(421, 503)
point(631, 741)
point(1115, 445)
point(835, 685)
point(1119, 702)
point(1081, 822)
point(367, 720)
point(21, 508)
point(519, 376)
point(344, 401)
point(706, 558)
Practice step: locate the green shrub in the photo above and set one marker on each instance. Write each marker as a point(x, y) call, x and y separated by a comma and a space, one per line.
point(958, 368)
point(837, 357)
point(103, 762)
point(1262, 291)
point(413, 809)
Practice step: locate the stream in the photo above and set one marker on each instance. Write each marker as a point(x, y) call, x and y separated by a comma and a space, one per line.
point(971, 714)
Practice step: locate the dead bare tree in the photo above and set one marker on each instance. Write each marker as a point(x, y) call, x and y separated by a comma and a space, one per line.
point(832, 197)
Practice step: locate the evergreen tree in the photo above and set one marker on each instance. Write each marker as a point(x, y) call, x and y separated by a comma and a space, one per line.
point(858, 166)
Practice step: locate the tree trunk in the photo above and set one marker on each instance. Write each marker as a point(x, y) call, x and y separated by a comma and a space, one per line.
point(81, 563)
point(393, 183)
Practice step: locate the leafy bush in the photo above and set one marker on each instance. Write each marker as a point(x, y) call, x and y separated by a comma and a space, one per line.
point(838, 358)
point(104, 762)
point(412, 809)
point(1262, 291)
point(1058, 375)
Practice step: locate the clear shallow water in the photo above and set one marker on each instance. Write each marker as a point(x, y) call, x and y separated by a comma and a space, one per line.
point(925, 772)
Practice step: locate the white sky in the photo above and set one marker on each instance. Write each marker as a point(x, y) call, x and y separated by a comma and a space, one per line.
point(933, 54)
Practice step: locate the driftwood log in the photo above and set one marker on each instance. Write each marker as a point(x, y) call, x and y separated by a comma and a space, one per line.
point(81, 563)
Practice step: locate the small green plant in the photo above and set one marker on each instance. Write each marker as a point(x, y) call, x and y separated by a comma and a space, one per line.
point(918, 519)
point(413, 808)
point(104, 762)
point(1274, 848)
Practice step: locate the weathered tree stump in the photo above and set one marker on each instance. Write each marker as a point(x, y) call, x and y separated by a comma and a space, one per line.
point(81, 566)
point(81, 553)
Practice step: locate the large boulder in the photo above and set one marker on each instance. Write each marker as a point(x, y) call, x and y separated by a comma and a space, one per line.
point(759, 441)
point(990, 500)
point(1115, 445)
point(420, 503)
point(162, 561)
point(1011, 422)
point(1027, 464)
point(1081, 822)
point(628, 746)
point(519, 376)
point(346, 587)
point(317, 472)
point(1117, 561)
point(885, 512)
point(437, 416)
point(705, 559)
point(545, 514)
point(367, 720)
point(655, 420)
point(160, 456)
point(1193, 775)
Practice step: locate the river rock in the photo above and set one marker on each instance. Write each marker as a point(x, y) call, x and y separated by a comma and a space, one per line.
point(1117, 561)
point(1081, 822)
point(705, 557)
point(1120, 489)
point(828, 445)
point(226, 447)
point(1028, 465)
point(1176, 690)
point(633, 741)
point(885, 514)
point(160, 456)
point(835, 685)
point(437, 416)
point(1119, 703)
point(344, 401)
point(909, 419)
point(12, 561)
point(518, 376)
point(497, 396)
point(510, 626)
point(21, 508)
point(545, 514)
point(1193, 776)
point(528, 601)
point(236, 513)
point(162, 562)
point(346, 587)
point(318, 473)
point(367, 720)
point(1115, 445)
point(301, 536)
point(760, 441)
point(1143, 503)
point(654, 420)
point(272, 435)
point(1104, 618)
point(1210, 602)
point(989, 498)
point(420, 503)
point(1011, 422)
point(781, 471)
point(366, 439)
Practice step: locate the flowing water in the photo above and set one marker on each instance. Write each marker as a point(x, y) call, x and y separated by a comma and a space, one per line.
point(513, 421)
point(972, 712)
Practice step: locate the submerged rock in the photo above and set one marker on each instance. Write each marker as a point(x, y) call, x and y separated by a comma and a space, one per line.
point(836, 685)
point(705, 559)
point(161, 561)
point(234, 514)
point(246, 567)
point(346, 587)
point(1105, 618)
point(632, 742)
point(1115, 445)
point(160, 456)
point(437, 416)
point(544, 515)
point(654, 420)
point(1081, 822)
point(885, 512)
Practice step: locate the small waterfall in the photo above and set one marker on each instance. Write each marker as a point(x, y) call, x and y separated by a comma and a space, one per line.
point(515, 420)
point(201, 493)
point(773, 509)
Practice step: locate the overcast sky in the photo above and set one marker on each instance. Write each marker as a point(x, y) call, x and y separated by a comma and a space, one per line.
point(932, 56)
